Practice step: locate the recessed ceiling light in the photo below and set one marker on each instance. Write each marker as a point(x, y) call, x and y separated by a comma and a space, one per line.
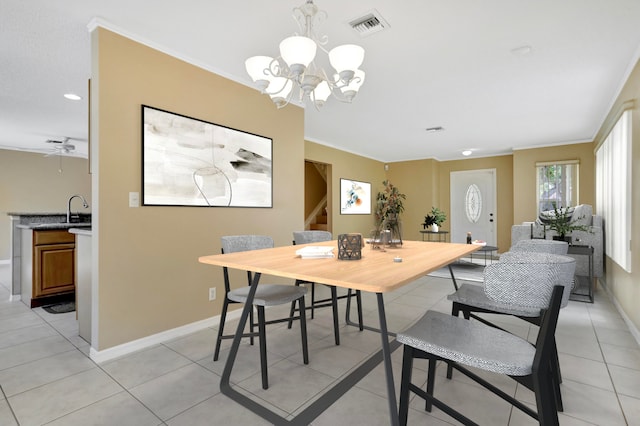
point(435, 129)
point(72, 96)
point(466, 153)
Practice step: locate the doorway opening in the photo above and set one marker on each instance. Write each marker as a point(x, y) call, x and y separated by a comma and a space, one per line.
point(317, 196)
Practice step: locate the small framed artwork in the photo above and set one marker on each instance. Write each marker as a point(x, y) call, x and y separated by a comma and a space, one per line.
point(191, 162)
point(355, 197)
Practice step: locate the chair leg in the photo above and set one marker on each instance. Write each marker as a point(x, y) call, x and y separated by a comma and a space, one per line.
point(313, 300)
point(223, 318)
point(334, 307)
point(292, 311)
point(431, 381)
point(303, 331)
point(545, 398)
point(553, 371)
point(359, 300)
point(407, 367)
point(252, 326)
point(348, 311)
point(263, 347)
point(455, 311)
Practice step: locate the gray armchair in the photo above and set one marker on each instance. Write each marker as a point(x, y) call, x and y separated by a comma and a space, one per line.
point(582, 215)
point(524, 286)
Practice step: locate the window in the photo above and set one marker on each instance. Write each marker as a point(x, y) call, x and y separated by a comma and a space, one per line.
point(557, 184)
point(613, 191)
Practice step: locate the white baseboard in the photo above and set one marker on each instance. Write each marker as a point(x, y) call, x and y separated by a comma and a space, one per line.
point(15, 298)
point(5, 261)
point(154, 339)
point(632, 327)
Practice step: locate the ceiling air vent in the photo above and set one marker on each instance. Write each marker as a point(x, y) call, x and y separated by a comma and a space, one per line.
point(371, 22)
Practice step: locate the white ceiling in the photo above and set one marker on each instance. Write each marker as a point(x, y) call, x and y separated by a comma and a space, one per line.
point(441, 63)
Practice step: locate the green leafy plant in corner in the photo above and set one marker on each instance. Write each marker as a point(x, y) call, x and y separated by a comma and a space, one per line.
point(436, 216)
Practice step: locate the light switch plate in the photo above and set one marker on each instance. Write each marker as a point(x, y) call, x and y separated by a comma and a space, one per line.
point(134, 199)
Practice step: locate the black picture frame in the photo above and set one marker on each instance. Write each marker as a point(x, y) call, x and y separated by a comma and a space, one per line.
point(191, 162)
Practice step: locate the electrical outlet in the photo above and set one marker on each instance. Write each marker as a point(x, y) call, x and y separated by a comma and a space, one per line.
point(212, 293)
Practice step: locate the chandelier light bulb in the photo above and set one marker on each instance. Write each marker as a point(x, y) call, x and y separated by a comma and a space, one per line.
point(298, 50)
point(279, 90)
point(347, 57)
point(321, 93)
point(350, 90)
point(256, 67)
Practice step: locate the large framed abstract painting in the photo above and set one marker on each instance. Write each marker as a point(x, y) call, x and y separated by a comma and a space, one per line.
point(355, 197)
point(191, 162)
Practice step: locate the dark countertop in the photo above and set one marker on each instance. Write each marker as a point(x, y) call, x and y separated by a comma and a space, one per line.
point(35, 214)
point(50, 220)
point(54, 225)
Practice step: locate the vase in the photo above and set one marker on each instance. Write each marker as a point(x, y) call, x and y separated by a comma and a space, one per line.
point(434, 228)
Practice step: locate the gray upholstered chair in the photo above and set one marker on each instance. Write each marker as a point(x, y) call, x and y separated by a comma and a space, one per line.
point(541, 246)
point(266, 295)
point(523, 287)
point(307, 237)
point(472, 299)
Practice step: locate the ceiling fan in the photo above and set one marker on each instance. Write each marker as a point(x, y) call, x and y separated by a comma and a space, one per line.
point(60, 146)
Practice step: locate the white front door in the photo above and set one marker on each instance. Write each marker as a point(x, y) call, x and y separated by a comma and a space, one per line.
point(473, 206)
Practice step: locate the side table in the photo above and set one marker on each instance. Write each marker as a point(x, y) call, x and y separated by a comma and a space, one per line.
point(442, 235)
point(488, 253)
point(583, 286)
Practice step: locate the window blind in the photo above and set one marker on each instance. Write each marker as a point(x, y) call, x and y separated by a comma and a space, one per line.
point(613, 190)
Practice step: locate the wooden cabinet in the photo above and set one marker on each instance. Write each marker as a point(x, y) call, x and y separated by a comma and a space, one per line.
point(53, 263)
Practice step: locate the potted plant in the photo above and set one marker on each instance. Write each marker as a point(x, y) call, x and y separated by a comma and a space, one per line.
point(434, 219)
point(560, 221)
point(389, 205)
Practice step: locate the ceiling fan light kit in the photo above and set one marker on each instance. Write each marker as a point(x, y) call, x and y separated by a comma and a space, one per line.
point(295, 65)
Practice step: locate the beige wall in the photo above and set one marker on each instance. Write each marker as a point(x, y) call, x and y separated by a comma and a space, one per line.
point(30, 182)
point(524, 176)
point(418, 180)
point(625, 286)
point(427, 184)
point(347, 166)
point(149, 277)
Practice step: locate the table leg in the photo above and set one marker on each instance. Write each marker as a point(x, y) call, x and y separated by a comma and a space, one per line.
point(325, 401)
point(453, 278)
point(388, 368)
point(225, 386)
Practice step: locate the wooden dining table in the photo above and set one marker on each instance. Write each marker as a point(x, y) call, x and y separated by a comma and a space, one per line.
point(379, 271)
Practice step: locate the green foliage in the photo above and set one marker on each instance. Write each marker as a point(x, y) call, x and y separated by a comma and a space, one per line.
point(560, 221)
point(389, 205)
point(436, 216)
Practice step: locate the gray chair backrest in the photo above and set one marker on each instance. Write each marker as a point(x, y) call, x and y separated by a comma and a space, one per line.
point(236, 243)
point(522, 273)
point(304, 237)
point(541, 246)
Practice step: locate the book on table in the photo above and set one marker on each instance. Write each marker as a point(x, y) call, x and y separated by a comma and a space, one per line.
point(315, 252)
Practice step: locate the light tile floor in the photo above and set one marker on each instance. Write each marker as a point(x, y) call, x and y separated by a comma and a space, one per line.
point(47, 378)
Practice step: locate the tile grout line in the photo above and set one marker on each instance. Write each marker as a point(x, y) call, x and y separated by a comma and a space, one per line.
point(615, 389)
point(9, 405)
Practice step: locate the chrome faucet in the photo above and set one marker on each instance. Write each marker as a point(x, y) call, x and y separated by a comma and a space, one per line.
point(84, 204)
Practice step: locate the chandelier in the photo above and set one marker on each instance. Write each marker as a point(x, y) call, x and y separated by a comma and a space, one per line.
point(296, 65)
